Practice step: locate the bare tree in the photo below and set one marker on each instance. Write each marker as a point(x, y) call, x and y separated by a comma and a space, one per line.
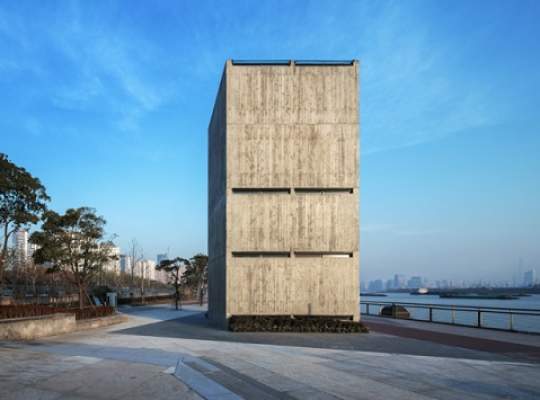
point(143, 270)
point(136, 255)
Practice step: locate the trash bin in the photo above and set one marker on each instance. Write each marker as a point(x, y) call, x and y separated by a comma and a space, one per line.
point(111, 299)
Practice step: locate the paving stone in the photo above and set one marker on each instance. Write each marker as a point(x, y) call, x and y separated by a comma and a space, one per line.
point(28, 393)
point(311, 394)
point(162, 387)
point(127, 362)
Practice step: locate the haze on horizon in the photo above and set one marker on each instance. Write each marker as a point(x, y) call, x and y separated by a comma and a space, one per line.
point(108, 104)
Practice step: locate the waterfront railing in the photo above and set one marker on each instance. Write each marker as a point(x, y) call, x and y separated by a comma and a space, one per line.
point(508, 319)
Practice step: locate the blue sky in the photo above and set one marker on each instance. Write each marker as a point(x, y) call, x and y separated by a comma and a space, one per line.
point(108, 104)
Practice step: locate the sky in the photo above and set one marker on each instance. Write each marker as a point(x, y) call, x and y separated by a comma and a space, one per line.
point(108, 103)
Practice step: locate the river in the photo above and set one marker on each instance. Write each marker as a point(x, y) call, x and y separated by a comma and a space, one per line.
point(525, 323)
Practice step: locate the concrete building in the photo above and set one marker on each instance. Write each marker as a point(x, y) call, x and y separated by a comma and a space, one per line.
point(283, 190)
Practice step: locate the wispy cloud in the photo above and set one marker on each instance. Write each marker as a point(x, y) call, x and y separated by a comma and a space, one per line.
point(410, 94)
point(113, 70)
point(95, 68)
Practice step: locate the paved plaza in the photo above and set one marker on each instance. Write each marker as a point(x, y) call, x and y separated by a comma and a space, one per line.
point(161, 353)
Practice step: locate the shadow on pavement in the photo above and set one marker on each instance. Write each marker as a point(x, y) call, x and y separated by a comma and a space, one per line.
point(197, 327)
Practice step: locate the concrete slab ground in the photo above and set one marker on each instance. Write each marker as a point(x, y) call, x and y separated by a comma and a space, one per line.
point(165, 354)
point(490, 334)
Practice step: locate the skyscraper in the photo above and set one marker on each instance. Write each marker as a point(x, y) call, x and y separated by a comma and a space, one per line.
point(399, 281)
point(113, 265)
point(415, 282)
point(283, 190)
point(125, 263)
point(162, 275)
point(161, 257)
point(20, 246)
point(529, 278)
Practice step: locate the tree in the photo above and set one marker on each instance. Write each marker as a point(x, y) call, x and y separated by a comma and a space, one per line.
point(73, 246)
point(22, 202)
point(196, 275)
point(174, 267)
point(136, 255)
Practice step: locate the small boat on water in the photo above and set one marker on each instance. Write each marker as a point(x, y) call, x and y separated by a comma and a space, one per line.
point(421, 291)
point(479, 296)
point(372, 295)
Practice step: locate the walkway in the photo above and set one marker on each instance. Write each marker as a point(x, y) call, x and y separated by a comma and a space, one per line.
point(164, 354)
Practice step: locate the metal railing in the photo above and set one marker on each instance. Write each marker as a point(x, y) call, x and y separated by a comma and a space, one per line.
point(507, 319)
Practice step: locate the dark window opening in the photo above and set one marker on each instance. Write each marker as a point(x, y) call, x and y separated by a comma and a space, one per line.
point(261, 254)
point(324, 190)
point(323, 254)
point(261, 190)
point(302, 63)
point(318, 63)
point(261, 62)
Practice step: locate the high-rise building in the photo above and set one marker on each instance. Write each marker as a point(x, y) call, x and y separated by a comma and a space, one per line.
point(363, 286)
point(161, 257)
point(529, 278)
point(399, 281)
point(146, 269)
point(161, 275)
point(20, 246)
point(415, 282)
point(376, 286)
point(112, 265)
point(283, 190)
point(125, 264)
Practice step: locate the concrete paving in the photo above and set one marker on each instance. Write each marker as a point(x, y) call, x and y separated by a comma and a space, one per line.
point(490, 334)
point(161, 353)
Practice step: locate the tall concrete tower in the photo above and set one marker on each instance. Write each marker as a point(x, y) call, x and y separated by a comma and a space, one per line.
point(283, 190)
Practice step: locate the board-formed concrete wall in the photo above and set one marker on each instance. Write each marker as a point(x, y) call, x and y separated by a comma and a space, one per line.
point(35, 327)
point(30, 328)
point(283, 191)
point(217, 184)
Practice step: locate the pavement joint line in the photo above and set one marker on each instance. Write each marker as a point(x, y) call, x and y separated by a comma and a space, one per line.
point(200, 364)
point(241, 376)
point(170, 370)
point(201, 384)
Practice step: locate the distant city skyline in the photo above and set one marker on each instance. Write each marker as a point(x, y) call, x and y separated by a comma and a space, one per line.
point(399, 281)
point(109, 107)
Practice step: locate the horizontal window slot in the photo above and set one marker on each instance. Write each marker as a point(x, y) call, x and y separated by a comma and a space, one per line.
point(260, 62)
point(324, 190)
point(261, 190)
point(300, 63)
point(261, 254)
point(322, 254)
point(322, 63)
